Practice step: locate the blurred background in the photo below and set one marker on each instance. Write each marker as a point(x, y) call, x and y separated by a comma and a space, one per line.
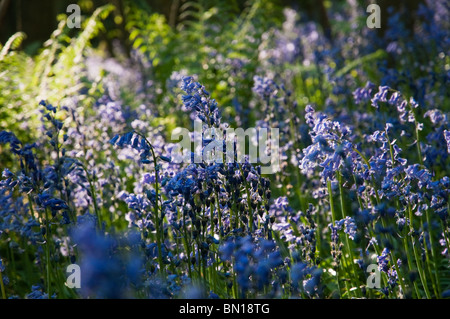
point(312, 68)
point(37, 18)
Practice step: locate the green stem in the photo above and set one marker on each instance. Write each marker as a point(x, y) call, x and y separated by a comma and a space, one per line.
point(337, 281)
point(30, 203)
point(410, 265)
point(249, 201)
point(2, 286)
point(159, 219)
point(417, 257)
point(433, 255)
point(419, 151)
point(427, 256)
point(211, 217)
point(400, 277)
point(93, 194)
point(186, 242)
point(330, 196)
point(219, 212)
point(361, 206)
point(343, 210)
point(421, 272)
point(47, 252)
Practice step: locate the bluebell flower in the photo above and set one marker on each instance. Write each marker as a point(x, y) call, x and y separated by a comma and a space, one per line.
point(362, 95)
point(350, 227)
point(447, 139)
point(37, 293)
point(330, 145)
point(436, 117)
point(7, 173)
point(380, 96)
point(106, 272)
point(264, 87)
point(311, 285)
point(2, 266)
point(392, 277)
point(15, 143)
point(198, 100)
point(298, 272)
point(383, 260)
point(213, 295)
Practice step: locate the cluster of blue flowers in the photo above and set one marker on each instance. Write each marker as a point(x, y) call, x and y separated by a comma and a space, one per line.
point(364, 178)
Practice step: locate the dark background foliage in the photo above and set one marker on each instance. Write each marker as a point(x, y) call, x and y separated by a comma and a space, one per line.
point(37, 17)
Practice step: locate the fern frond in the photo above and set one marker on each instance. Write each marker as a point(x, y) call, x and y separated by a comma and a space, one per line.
point(13, 43)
